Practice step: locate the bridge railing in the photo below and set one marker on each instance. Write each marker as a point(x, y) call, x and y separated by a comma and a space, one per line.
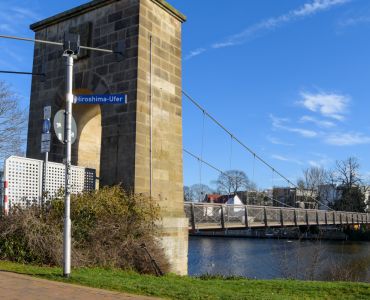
point(222, 216)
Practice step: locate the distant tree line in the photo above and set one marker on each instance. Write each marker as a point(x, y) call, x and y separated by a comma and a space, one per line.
point(12, 123)
point(341, 188)
point(228, 183)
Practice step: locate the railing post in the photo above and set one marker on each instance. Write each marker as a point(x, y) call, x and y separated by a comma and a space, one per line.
point(222, 217)
point(358, 221)
point(295, 218)
point(265, 216)
point(192, 216)
point(347, 218)
point(353, 220)
point(307, 218)
point(340, 218)
point(317, 218)
point(246, 216)
point(334, 217)
point(281, 217)
point(326, 218)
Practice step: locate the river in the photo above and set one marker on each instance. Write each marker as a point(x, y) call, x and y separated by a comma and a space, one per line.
point(272, 258)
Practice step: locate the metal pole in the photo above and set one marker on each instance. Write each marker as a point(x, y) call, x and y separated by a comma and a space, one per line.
point(151, 119)
point(67, 200)
point(43, 198)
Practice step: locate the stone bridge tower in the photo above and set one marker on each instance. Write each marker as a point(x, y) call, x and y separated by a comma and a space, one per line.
point(138, 144)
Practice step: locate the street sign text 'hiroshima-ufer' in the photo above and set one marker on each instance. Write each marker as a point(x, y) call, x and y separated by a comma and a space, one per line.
point(101, 99)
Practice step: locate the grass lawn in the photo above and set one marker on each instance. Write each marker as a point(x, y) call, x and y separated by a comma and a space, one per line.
point(177, 287)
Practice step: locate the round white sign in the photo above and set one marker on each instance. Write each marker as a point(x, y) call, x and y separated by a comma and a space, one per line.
point(59, 120)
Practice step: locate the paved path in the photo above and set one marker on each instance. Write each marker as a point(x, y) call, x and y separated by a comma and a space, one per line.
point(15, 286)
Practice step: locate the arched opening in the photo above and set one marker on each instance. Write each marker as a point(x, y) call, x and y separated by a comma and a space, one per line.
point(86, 151)
point(89, 133)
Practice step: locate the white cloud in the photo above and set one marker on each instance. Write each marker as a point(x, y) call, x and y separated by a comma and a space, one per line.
point(316, 6)
point(317, 163)
point(7, 28)
point(320, 123)
point(195, 52)
point(15, 19)
point(303, 132)
point(309, 8)
point(322, 160)
point(280, 123)
point(328, 104)
point(26, 13)
point(276, 141)
point(347, 139)
point(286, 159)
point(350, 22)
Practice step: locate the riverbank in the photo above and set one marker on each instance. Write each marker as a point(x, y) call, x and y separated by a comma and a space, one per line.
point(177, 287)
point(330, 233)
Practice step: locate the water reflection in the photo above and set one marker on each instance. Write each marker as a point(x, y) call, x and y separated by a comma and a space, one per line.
point(268, 258)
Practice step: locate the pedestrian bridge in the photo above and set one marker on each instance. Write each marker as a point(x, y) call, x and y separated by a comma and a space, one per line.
point(203, 216)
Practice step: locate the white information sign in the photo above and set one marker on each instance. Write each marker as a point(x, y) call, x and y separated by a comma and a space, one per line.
point(47, 112)
point(45, 146)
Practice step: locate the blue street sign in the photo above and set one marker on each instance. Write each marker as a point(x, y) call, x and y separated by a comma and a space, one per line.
point(101, 99)
point(46, 126)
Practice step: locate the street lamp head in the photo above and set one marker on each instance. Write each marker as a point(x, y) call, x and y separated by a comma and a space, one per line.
point(71, 43)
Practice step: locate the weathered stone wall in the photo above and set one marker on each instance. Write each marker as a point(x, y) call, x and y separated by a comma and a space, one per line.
point(125, 129)
point(158, 27)
point(96, 73)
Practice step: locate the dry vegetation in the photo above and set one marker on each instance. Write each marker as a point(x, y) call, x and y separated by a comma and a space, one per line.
point(109, 227)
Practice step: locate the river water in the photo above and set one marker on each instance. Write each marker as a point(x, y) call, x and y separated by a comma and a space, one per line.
point(272, 258)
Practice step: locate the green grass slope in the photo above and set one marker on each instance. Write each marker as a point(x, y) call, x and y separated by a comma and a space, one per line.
point(177, 287)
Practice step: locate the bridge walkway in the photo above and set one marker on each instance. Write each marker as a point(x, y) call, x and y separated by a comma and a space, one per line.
point(208, 216)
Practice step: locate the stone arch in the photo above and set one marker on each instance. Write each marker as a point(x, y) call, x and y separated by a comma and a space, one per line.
point(86, 151)
point(89, 132)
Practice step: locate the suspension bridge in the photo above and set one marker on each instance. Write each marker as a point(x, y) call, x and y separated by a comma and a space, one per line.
point(221, 216)
point(139, 144)
point(214, 216)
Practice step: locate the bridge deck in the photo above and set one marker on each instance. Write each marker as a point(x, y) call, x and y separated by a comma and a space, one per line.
point(203, 216)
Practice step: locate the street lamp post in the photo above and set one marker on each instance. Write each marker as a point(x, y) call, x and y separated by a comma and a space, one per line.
point(71, 49)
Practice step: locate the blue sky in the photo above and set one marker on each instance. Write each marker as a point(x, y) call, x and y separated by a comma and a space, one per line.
point(289, 78)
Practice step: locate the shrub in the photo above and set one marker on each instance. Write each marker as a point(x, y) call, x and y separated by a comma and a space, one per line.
point(108, 228)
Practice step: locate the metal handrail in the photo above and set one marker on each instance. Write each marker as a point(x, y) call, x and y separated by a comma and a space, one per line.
point(232, 215)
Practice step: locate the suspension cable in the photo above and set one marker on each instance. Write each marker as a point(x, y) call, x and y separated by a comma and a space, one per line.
point(201, 156)
point(223, 173)
point(254, 162)
point(235, 138)
point(244, 145)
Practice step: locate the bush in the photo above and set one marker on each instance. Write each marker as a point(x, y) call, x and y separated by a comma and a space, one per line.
point(108, 228)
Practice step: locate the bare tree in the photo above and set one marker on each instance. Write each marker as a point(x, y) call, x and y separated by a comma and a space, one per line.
point(348, 172)
point(188, 193)
point(350, 183)
point(12, 123)
point(313, 179)
point(328, 193)
point(199, 191)
point(233, 181)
